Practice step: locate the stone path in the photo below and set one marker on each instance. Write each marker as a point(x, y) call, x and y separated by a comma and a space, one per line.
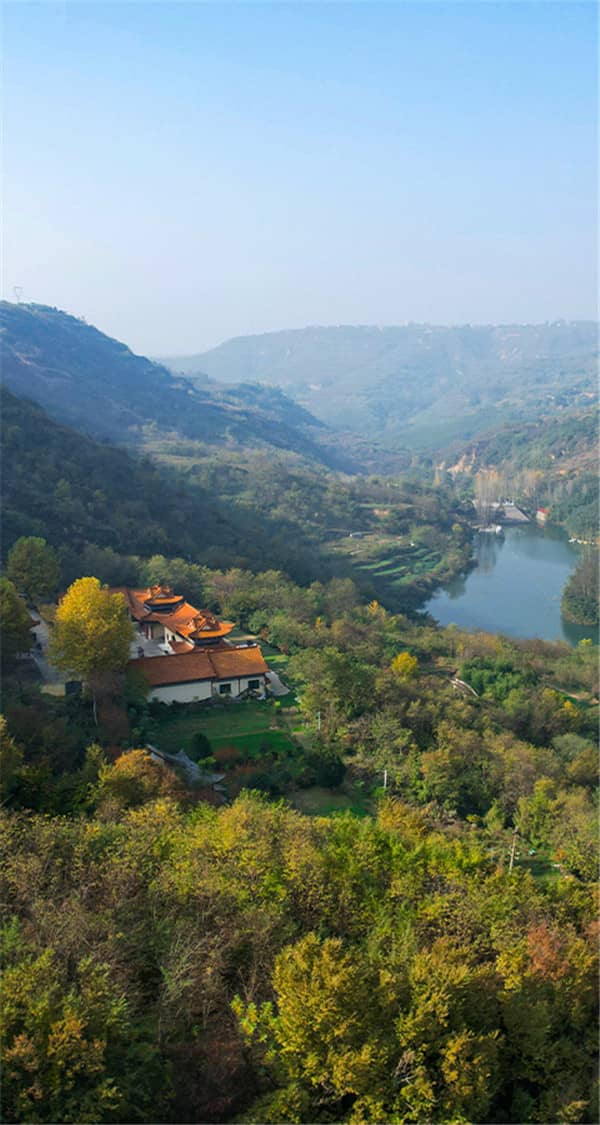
point(277, 686)
point(49, 674)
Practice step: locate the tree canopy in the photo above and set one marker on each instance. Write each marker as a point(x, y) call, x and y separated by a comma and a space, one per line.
point(34, 568)
point(92, 633)
point(15, 622)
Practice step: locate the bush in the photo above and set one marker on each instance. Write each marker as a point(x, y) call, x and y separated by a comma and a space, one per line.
point(207, 764)
point(327, 767)
point(200, 746)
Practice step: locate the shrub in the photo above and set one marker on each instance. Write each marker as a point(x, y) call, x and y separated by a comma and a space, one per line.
point(200, 746)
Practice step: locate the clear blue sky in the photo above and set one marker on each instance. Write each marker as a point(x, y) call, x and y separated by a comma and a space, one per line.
point(180, 173)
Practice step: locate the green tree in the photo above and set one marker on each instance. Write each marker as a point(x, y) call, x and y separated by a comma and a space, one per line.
point(133, 780)
point(580, 596)
point(34, 568)
point(404, 666)
point(185, 578)
point(15, 622)
point(325, 1033)
point(72, 1049)
point(457, 772)
point(11, 762)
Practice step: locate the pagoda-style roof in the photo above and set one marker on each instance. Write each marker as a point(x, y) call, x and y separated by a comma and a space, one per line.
point(159, 605)
point(161, 599)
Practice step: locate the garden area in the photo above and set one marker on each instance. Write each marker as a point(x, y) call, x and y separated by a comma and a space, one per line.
point(251, 726)
point(316, 800)
point(255, 743)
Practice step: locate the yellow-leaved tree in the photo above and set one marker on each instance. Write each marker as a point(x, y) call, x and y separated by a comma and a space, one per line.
point(92, 634)
point(404, 666)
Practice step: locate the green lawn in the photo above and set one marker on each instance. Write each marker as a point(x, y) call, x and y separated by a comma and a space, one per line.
point(316, 801)
point(219, 723)
point(250, 726)
point(256, 746)
point(276, 660)
point(540, 866)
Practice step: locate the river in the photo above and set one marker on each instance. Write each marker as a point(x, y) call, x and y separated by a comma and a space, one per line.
point(516, 587)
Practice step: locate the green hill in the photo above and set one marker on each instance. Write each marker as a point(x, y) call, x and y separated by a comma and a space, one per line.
point(75, 492)
point(97, 385)
point(420, 385)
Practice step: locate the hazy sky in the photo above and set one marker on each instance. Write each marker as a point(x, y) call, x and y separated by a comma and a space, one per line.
point(180, 173)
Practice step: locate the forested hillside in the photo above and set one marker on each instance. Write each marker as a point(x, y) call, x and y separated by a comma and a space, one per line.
point(420, 385)
point(552, 463)
point(430, 954)
point(82, 495)
point(98, 386)
point(78, 493)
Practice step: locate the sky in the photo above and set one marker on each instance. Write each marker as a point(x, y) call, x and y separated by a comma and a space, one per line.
point(182, 173)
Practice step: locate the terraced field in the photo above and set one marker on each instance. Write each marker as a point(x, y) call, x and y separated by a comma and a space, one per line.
point(396, 566)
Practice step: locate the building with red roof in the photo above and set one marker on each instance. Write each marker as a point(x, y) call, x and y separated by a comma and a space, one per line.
point(183, 652)
point(166, 617)
point(200, 674)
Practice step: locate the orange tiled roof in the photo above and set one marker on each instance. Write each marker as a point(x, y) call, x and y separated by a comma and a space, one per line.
point(184, 619)
point(238, 662)
point(201, 664)
point(196, 624)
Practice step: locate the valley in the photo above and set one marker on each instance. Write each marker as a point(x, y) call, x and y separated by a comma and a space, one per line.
point(299, 564)
point(408, 782)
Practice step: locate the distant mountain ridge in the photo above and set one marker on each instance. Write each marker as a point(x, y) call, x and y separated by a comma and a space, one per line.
point(94, 383)
point(424, 386)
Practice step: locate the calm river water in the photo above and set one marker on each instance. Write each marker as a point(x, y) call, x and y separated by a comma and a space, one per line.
point(515, 589)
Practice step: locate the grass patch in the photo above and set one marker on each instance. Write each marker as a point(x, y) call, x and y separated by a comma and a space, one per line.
point(317, 801)
point(218, 723)
point(251, 727)
point(254, 746)
point(540, 866)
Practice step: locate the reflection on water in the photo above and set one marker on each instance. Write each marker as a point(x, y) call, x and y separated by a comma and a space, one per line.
point(516, 587)
point(487, 551)
point(457, 586)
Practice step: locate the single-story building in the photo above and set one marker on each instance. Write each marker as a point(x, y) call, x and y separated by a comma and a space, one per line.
point(187, 677)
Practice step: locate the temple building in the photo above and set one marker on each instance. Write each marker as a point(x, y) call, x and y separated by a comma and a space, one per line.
point(183, 652)
point(167, 618)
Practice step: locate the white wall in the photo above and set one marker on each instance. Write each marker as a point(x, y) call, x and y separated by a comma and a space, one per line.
point(182, 693)
point(201, 689)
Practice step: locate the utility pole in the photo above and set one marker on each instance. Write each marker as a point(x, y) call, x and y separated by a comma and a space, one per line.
point(385, 779)
point(319, 721)
point(512, 851)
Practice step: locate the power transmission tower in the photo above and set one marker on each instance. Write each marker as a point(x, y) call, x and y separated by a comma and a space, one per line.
point(18, 292)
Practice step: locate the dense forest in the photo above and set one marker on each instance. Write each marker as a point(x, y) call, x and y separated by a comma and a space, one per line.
point(94, 501)
point(580, 597)
point(427, 955)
